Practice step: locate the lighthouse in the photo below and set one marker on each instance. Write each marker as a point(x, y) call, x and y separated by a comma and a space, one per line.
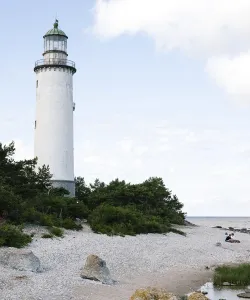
point(54, 140)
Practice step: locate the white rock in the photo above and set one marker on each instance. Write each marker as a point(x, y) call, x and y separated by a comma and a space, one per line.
point(19, 259)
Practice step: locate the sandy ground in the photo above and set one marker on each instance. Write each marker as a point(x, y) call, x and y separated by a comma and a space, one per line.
point(170, 261)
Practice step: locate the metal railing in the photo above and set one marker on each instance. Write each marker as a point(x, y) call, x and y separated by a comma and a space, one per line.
point(55, 62)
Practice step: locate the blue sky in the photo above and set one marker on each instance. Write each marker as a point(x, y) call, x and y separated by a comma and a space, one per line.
point(162, 89)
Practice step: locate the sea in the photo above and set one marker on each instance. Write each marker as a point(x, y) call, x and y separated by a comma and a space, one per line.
point(235, 222)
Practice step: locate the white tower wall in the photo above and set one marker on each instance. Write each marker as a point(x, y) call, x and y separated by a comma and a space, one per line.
point(54, 122)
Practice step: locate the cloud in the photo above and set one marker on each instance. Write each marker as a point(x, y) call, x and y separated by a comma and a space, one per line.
point(205, 25)
point(232, 74)
point(215, 30)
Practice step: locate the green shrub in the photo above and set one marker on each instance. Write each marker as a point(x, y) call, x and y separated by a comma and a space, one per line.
point(71, 224)
point(12, 236)
point(56, 231)
point(49, 220)
point(47, 236)
point(76, 209)
point(113, 220)
point(2, 241)
point(31, 215)
point(237, 275)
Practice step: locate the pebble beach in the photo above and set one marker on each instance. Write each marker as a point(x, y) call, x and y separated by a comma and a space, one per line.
point(171, 261)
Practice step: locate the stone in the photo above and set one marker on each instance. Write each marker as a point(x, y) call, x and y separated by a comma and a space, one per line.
point(20, 259)
point(95, 269)
point(218, 244)
point(231, 228)
point(227, 284)
point(197, 296)
point(244, 295)
point(152, 294)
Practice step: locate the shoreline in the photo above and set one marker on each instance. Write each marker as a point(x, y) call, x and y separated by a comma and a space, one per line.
point(171, 261)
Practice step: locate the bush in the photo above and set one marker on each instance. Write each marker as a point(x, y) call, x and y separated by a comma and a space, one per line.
point(76, 209)
point(237, 275)
point(56, 231)
point(71, 224)
point(49, 220)
point(112, 220)
point(47, 236)
point(12, 236)
point(31, 215)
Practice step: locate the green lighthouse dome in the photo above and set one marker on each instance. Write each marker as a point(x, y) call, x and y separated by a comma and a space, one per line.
point(55, 31)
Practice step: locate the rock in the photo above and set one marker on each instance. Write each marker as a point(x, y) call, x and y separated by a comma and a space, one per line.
point(247, 290)
point(231, 228)
point(197, 296)
point(218, 244)
point(20, 259)
point(243, 230)
point(220, 227)
point(152, 294)
point(227, 284)
point(244, 295)
point(95, 269)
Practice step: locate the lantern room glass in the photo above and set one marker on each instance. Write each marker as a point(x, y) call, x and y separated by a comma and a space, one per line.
point(55, 43)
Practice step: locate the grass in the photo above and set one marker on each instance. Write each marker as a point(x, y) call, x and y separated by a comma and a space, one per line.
point(47, 236)
point(236, 275)
point(56, 231)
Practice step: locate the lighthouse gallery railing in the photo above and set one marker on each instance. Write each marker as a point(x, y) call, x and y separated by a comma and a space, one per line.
point(55, 61)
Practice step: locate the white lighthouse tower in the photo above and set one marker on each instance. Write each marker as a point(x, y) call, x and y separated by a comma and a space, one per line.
point(54, 110)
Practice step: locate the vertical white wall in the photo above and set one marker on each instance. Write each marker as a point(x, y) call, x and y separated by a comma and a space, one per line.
point(54, 121)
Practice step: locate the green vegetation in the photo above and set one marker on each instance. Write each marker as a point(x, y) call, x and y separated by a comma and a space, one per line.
point(117, 208)
point(47, 236)
point(56, 231)
point(12, 236)
point(236, 275)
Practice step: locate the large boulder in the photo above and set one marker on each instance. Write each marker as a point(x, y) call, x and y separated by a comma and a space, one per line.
point(152, 294)
point(244, 295)
point(95, 269)
point(197, 296)
point(20, 259)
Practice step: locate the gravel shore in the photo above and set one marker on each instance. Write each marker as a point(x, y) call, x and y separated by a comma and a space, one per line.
point(171, 261)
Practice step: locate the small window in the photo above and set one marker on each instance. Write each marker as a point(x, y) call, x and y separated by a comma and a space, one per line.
point(37, 83)
point(35, 124)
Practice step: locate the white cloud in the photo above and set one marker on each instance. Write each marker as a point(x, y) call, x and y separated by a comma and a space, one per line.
point(232, 74)
point(206, 25)
point(211, 29)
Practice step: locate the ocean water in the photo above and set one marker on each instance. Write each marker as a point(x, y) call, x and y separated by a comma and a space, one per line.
point(236, 222)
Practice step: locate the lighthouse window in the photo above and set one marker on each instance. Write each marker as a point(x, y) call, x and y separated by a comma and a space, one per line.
point(35, 124)
point(37, 83)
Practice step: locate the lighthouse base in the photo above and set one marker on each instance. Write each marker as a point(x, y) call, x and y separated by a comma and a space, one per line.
point(66, 184)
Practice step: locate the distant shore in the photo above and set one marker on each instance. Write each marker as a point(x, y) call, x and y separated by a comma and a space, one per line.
point(170, 261)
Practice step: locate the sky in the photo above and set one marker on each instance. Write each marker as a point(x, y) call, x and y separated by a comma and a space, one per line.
point(162, 89)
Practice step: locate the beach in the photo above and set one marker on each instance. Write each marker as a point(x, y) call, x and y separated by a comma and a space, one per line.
point(171, 261)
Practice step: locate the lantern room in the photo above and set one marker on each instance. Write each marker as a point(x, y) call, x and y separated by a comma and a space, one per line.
point(55, 43)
